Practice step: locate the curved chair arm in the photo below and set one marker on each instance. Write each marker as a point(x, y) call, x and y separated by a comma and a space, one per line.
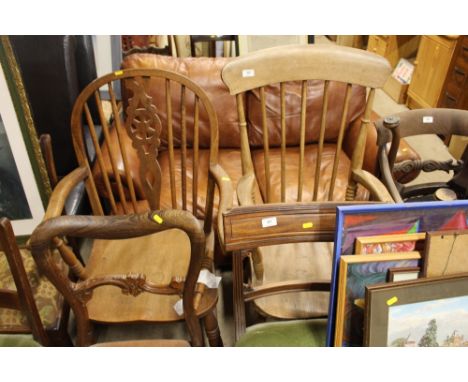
point(245, 190)
point(226, 193)
point(374, 185)
point(62, 190)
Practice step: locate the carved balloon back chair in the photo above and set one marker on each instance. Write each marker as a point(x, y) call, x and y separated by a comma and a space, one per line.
point(129, 285)
point(445, 123)
point(151, 153)
point(296, 105)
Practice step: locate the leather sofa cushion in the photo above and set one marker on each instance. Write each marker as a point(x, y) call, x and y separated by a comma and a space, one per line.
point(206, 73)
point(292, 168)
point(315, 89)
point(229, 159)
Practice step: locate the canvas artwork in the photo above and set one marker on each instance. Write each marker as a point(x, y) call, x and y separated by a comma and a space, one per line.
point(371, 220)
point(431, 323)
point(359, 271)
point(427, 312)
point(388, 243)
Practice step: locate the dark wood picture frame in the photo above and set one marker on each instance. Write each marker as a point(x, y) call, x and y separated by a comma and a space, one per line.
point(394, 271)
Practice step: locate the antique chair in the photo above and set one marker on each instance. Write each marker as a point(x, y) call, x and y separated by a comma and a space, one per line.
point(303, 120)
point(29, 303)
point(173, 149)
point(127, 281)
point(443, 123)
point(244, 232)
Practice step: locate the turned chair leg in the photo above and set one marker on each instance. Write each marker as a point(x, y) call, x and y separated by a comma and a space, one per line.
point(212, 329)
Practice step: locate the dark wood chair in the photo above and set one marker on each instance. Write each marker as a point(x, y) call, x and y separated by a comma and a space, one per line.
point(245, 231)
point(129, 282)
point(29, 303)
point(444, 123)
point(173, 166)
point(296, 106)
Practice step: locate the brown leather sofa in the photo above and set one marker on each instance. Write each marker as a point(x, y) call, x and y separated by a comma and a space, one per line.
point(206, 72)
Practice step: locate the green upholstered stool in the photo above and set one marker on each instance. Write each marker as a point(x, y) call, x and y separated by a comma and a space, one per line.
point(295, 333)
point(17, 340)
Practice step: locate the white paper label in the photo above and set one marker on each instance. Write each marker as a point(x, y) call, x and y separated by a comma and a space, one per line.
point(428, 119)
point(209, 279)
point(179, 307)
point(269, 222)
point(248, 73)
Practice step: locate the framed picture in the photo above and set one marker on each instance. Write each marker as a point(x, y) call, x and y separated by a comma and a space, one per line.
point(388, 243)
point(24, 184)
point(387, 219)
point(423, 312)
point(357, 272)
point(445, 253)
point(403, 274)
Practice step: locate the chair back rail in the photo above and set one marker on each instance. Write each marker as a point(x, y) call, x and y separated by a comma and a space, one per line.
point(304, 63)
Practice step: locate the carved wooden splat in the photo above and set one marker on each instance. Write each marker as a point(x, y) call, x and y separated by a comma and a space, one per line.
point(144, 128)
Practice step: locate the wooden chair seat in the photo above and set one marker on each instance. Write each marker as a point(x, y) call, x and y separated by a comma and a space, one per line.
point(292, 171)
point(288, 334)
point(163, 256)
point(48, 300)
point(293, 261)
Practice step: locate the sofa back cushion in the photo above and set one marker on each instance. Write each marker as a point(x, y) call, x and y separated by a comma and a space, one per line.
point(206, 73)
point(293, 112)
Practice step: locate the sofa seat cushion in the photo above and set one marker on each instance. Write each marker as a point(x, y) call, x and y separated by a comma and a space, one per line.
point(48, 300)
point(286, 333)
point(292, 170)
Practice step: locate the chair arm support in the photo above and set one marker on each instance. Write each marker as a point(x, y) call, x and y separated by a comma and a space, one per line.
point(62, 190)
point(226, 193)
point(245, 190)
point(374, 185)
point(286, 287)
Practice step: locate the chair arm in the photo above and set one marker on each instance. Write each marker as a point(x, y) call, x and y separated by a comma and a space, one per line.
point(245, 190)
point(62, 191)
point(226, 193)
point(374, 185)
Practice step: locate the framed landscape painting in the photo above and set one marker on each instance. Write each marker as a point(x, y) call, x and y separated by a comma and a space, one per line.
point(24, 184)
point(387, 219)
point(420, 313)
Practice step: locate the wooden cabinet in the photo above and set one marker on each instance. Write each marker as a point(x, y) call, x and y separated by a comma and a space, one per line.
point(455, 91)
point(431, 68)
point(393, 47)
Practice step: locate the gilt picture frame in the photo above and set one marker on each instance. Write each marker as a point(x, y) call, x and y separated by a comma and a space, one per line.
point(385, 219)
point(388, 243)
point(419, 313)
point(25, 187)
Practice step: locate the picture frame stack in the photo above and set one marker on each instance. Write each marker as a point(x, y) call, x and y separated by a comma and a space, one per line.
point(380, 247)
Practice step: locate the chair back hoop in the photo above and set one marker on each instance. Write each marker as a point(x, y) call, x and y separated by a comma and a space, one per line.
point(128, 138)
point(303, 63)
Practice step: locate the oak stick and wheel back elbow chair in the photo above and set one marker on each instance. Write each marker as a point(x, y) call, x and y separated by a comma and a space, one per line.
point(303, 117)
point(444, 123)
point(169, 143)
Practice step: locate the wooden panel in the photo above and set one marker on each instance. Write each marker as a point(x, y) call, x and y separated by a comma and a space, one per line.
point(431, 67)
point(446, 253)
point(298, 222)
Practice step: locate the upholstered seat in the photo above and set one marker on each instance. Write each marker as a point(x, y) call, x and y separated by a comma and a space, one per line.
point(288, 334)
point(48, 300)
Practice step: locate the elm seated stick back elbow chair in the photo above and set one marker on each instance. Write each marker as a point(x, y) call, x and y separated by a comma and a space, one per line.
point(29, 303)
point(444, 123)
point(124, 284)
point(170, 145)
point(303, 118)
